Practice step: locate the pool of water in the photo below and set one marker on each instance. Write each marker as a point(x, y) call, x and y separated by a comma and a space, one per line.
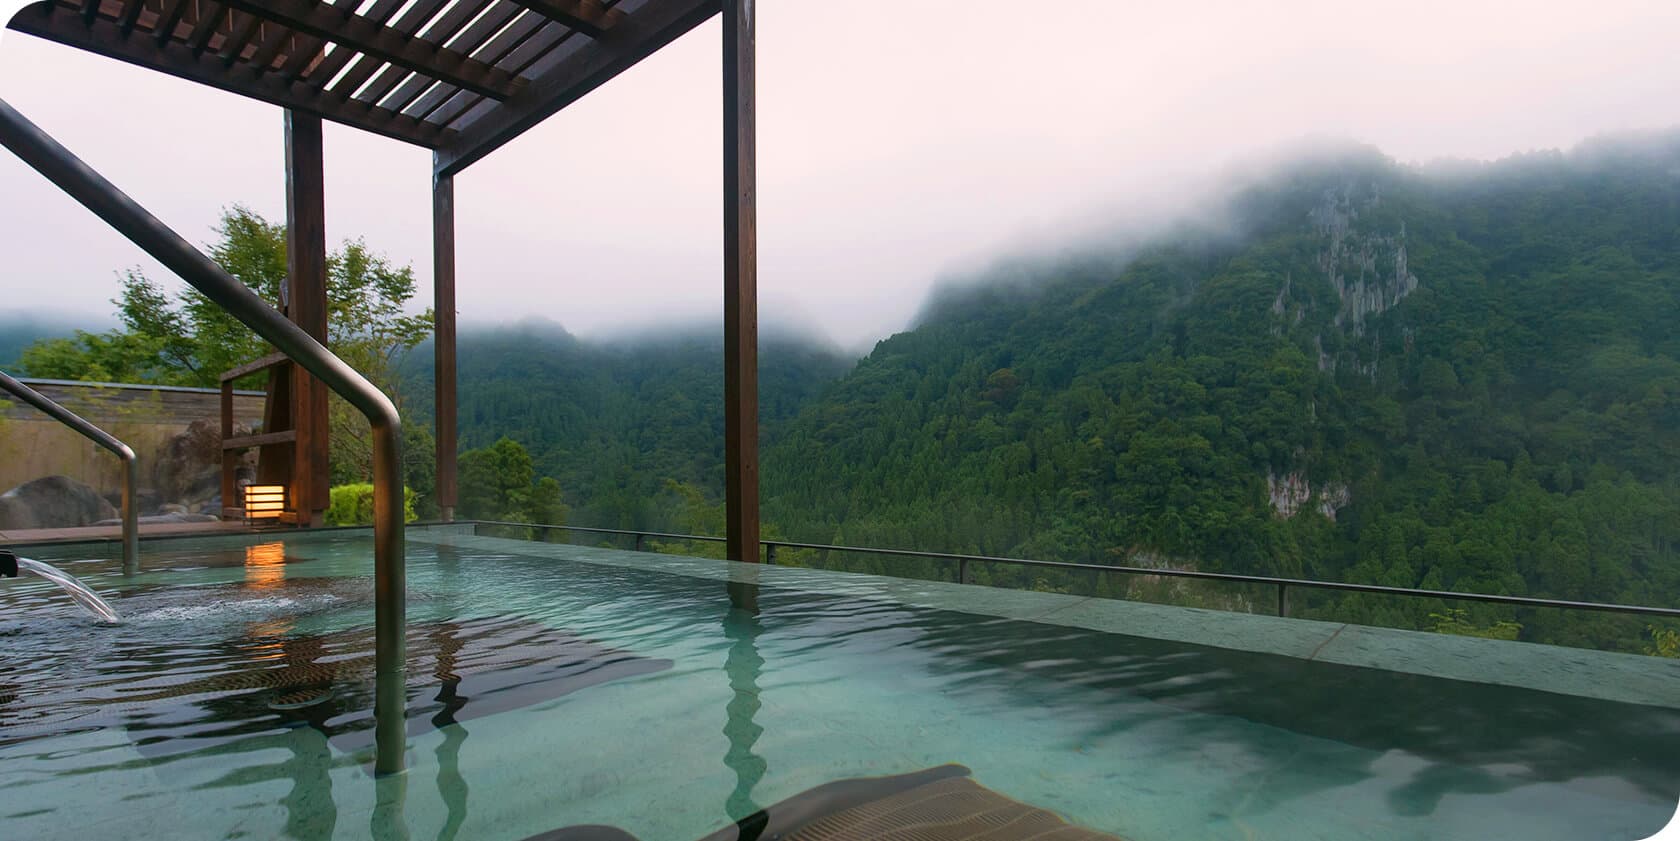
point(233, 702)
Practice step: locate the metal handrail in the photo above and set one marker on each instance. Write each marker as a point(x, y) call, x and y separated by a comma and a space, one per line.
point(46, 156)
point(544, 531)
point(1282, 584)
point(131, 466)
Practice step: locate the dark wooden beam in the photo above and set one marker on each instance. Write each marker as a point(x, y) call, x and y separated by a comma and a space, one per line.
point(393, 45)
point(164, 31)
point(443, 339)
point(246, 442)
point(442, 103)
point(130, 16)
point(653, 26)
point(244, 28)
point(439, 32)
point(590, 17)
point(306, 306)
point(230, 458)
point(261, 363)
point(210, 15)
point(470, 40)
point(309, 48)
point(740, 283)
point(177, 59)
point(271, 40)
point(354, 81)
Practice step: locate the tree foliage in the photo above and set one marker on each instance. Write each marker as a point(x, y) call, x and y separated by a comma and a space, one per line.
point(1474, 382)
point(183, 338)
point(498, 483)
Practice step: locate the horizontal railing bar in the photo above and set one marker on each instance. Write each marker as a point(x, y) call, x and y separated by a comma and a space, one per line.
point(1231, 577)
point(593, 530)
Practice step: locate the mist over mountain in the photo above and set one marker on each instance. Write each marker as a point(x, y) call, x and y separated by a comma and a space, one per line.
point(1452, 375)
point(20, 330)
point(1457, 378)
point(615, 420)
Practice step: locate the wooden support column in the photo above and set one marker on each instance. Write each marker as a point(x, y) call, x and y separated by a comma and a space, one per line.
point(740, 283)
point(306, 306)
point(443, 338)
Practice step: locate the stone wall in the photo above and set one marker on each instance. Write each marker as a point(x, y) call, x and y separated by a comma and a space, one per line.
point(154, 420)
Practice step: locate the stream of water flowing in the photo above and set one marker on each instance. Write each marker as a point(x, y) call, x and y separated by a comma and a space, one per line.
point(88, 599)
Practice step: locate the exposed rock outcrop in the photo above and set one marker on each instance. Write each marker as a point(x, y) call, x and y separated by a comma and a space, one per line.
point(187, 470)
point(1367, 270)
point(187, 455)
point(1292, 492)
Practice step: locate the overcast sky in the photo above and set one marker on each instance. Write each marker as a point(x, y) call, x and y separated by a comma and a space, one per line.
point(899, 144)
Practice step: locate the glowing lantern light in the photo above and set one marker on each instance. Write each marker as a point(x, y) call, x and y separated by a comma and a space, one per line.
point(264, 502)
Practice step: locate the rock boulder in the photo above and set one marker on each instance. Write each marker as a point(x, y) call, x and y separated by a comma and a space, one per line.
point(52, 502)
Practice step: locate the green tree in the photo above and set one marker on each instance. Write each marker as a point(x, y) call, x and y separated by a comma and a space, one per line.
point(498, 483)
point(1665, 642)
point(183, 338)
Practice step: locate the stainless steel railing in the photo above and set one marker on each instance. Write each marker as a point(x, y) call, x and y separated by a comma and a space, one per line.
point(1282, 585)
point(131, 469)
point(79, 181)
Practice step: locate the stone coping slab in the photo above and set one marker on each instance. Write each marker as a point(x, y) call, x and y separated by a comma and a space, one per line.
point(1609, 676)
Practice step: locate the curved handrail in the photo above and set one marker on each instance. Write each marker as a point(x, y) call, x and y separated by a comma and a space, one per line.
point(131, 468)
point(46, 156)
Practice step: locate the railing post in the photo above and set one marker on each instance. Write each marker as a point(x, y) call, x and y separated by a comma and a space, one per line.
point(1283, 600)
point(545, 534)
point(87, 187)
point(130, 467)
point(638, 541)
point(770, 553)
point(962, 570)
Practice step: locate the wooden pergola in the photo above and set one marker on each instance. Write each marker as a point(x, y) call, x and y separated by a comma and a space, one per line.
point(459, 77)
point(462, 78)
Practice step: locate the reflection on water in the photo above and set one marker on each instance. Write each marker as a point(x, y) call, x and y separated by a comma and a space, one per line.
point(246, 692)
point(743, 664)
point(388, 823)
point(265, 566)
point(310, 810)
point(451, 785)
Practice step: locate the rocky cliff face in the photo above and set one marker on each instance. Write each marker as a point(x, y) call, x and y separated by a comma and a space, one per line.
point(1366, 268)
point(1292, 493)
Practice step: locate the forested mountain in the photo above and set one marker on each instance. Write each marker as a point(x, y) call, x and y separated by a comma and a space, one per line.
point(1459, 378)
point(615, 422)
point(1451, 376)
point(20, 331)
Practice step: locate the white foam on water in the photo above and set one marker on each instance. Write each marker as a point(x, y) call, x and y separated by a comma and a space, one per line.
point(235, 607)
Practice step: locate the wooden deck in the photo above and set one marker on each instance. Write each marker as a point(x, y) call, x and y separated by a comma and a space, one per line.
point(82, 533)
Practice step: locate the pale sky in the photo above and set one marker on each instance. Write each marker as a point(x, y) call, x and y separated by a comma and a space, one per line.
point(899, 144)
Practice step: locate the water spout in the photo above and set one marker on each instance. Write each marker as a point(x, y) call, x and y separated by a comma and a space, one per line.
point(88, 599)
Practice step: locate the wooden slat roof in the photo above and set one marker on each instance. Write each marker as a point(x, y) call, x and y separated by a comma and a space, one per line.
point(461, 77)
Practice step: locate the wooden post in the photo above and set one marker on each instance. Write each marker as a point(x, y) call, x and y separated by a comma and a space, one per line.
point(306, 277)
point(740, 283)
point(443, 338)
point(230, 458)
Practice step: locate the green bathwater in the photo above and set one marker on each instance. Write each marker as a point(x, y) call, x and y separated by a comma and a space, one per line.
point(233, 702)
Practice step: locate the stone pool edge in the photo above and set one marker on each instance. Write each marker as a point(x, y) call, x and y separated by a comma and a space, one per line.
point(1608, 676)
